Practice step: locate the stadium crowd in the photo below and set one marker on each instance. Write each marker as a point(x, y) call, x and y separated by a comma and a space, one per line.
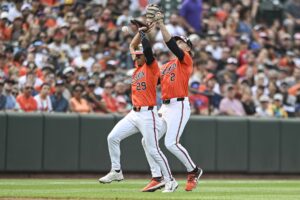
point(71, 56)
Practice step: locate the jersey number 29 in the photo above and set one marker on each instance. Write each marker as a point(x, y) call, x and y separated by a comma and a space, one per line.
point(141, 86)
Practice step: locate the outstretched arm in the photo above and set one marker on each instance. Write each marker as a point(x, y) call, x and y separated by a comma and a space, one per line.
point(134, 43)
point(146, 47)
point(170, 42)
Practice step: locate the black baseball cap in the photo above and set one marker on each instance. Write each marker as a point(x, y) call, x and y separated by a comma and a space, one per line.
point(59, 82)
point(184, 39)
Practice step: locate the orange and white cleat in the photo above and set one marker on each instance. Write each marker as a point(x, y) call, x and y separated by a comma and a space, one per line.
point(155, 184)
point(192, 180)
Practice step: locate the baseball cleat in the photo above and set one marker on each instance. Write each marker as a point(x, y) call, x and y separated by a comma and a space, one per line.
point(192, 180)
point(170, 186)
point(155, 184)
point(112, 176)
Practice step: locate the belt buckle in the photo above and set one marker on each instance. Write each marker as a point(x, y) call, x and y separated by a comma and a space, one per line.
point(166, 101)
point(137, 109)
point(150, 107)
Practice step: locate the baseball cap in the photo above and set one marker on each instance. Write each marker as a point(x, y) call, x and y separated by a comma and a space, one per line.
point(297, 36)
point(48, 66)
point(84, 47)
point(195, 85)
point(94, 29)
point(59, 82)
point(26, 6)
point(245, 38)
point(68, 70)
point(4, 15)
point(278, 97)
point(263, 35)
point(64, 25)
point(184, 39)
point(91, 82)
point(38, 43)
point(264, 98)
point(232, 60)
point(229, 87)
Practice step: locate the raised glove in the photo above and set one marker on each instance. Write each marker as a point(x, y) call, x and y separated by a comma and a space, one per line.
point(138, 23)
point(151, 13)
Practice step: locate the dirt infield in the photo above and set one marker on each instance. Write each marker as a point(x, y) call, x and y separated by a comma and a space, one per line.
point(142, 176)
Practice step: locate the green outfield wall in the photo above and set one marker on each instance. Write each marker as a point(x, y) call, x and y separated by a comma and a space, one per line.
point(38, 142)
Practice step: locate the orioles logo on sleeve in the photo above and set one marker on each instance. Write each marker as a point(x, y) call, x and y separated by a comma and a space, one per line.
point(169, 69)
point(137, 77)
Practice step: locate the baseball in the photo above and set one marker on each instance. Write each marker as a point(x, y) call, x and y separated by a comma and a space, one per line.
point(125, 29)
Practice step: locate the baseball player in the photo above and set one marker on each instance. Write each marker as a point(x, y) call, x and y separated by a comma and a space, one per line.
point(174, 77)
point(144, 116)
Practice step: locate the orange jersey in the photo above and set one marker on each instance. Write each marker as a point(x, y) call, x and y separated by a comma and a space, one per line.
point(143, 85)
point(174, 77)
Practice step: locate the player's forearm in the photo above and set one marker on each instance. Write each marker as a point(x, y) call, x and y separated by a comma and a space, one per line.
point(147, 48)
point(165, 33)
point(135, 42)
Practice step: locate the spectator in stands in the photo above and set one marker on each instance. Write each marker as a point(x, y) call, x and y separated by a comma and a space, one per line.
point(173, 27)
point(123, 100)
point(77, 103)
point(276, 109)
point(43, 99)
point(199, 102)
point(228, 75)
point(11, 103)
point(2, 96)
point(85, 60)
point(191, 12)
point(93, 99)
point(293, 16)
point(108, 99)
point(25, 100)
point(230, 105)
point(58, 101)
point(289, 101)
point(212, 91)
point(263, 109)
point(248, 103)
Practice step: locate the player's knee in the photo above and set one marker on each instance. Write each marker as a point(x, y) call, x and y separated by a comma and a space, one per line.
point(143, 143)
point(112, 139)
point(170, 145)
point(152, 151)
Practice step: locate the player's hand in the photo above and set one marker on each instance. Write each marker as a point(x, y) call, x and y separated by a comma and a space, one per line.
point(144, 29)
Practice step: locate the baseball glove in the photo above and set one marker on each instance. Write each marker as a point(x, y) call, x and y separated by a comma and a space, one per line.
point(138, 23)
point(151, 13)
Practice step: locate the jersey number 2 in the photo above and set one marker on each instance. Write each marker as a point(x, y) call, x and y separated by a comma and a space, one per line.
point(141, 86)
point(172, 77)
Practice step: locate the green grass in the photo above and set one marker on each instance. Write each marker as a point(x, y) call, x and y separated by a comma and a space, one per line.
point(130, 189)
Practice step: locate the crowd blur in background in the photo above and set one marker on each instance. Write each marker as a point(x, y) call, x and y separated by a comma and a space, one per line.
point(71, 55)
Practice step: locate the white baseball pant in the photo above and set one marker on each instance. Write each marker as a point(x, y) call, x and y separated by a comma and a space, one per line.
point(148, 123)
point(176, 115)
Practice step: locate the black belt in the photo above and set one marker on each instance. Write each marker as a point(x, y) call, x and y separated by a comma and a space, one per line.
point(138, 109)
point(167, 101)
